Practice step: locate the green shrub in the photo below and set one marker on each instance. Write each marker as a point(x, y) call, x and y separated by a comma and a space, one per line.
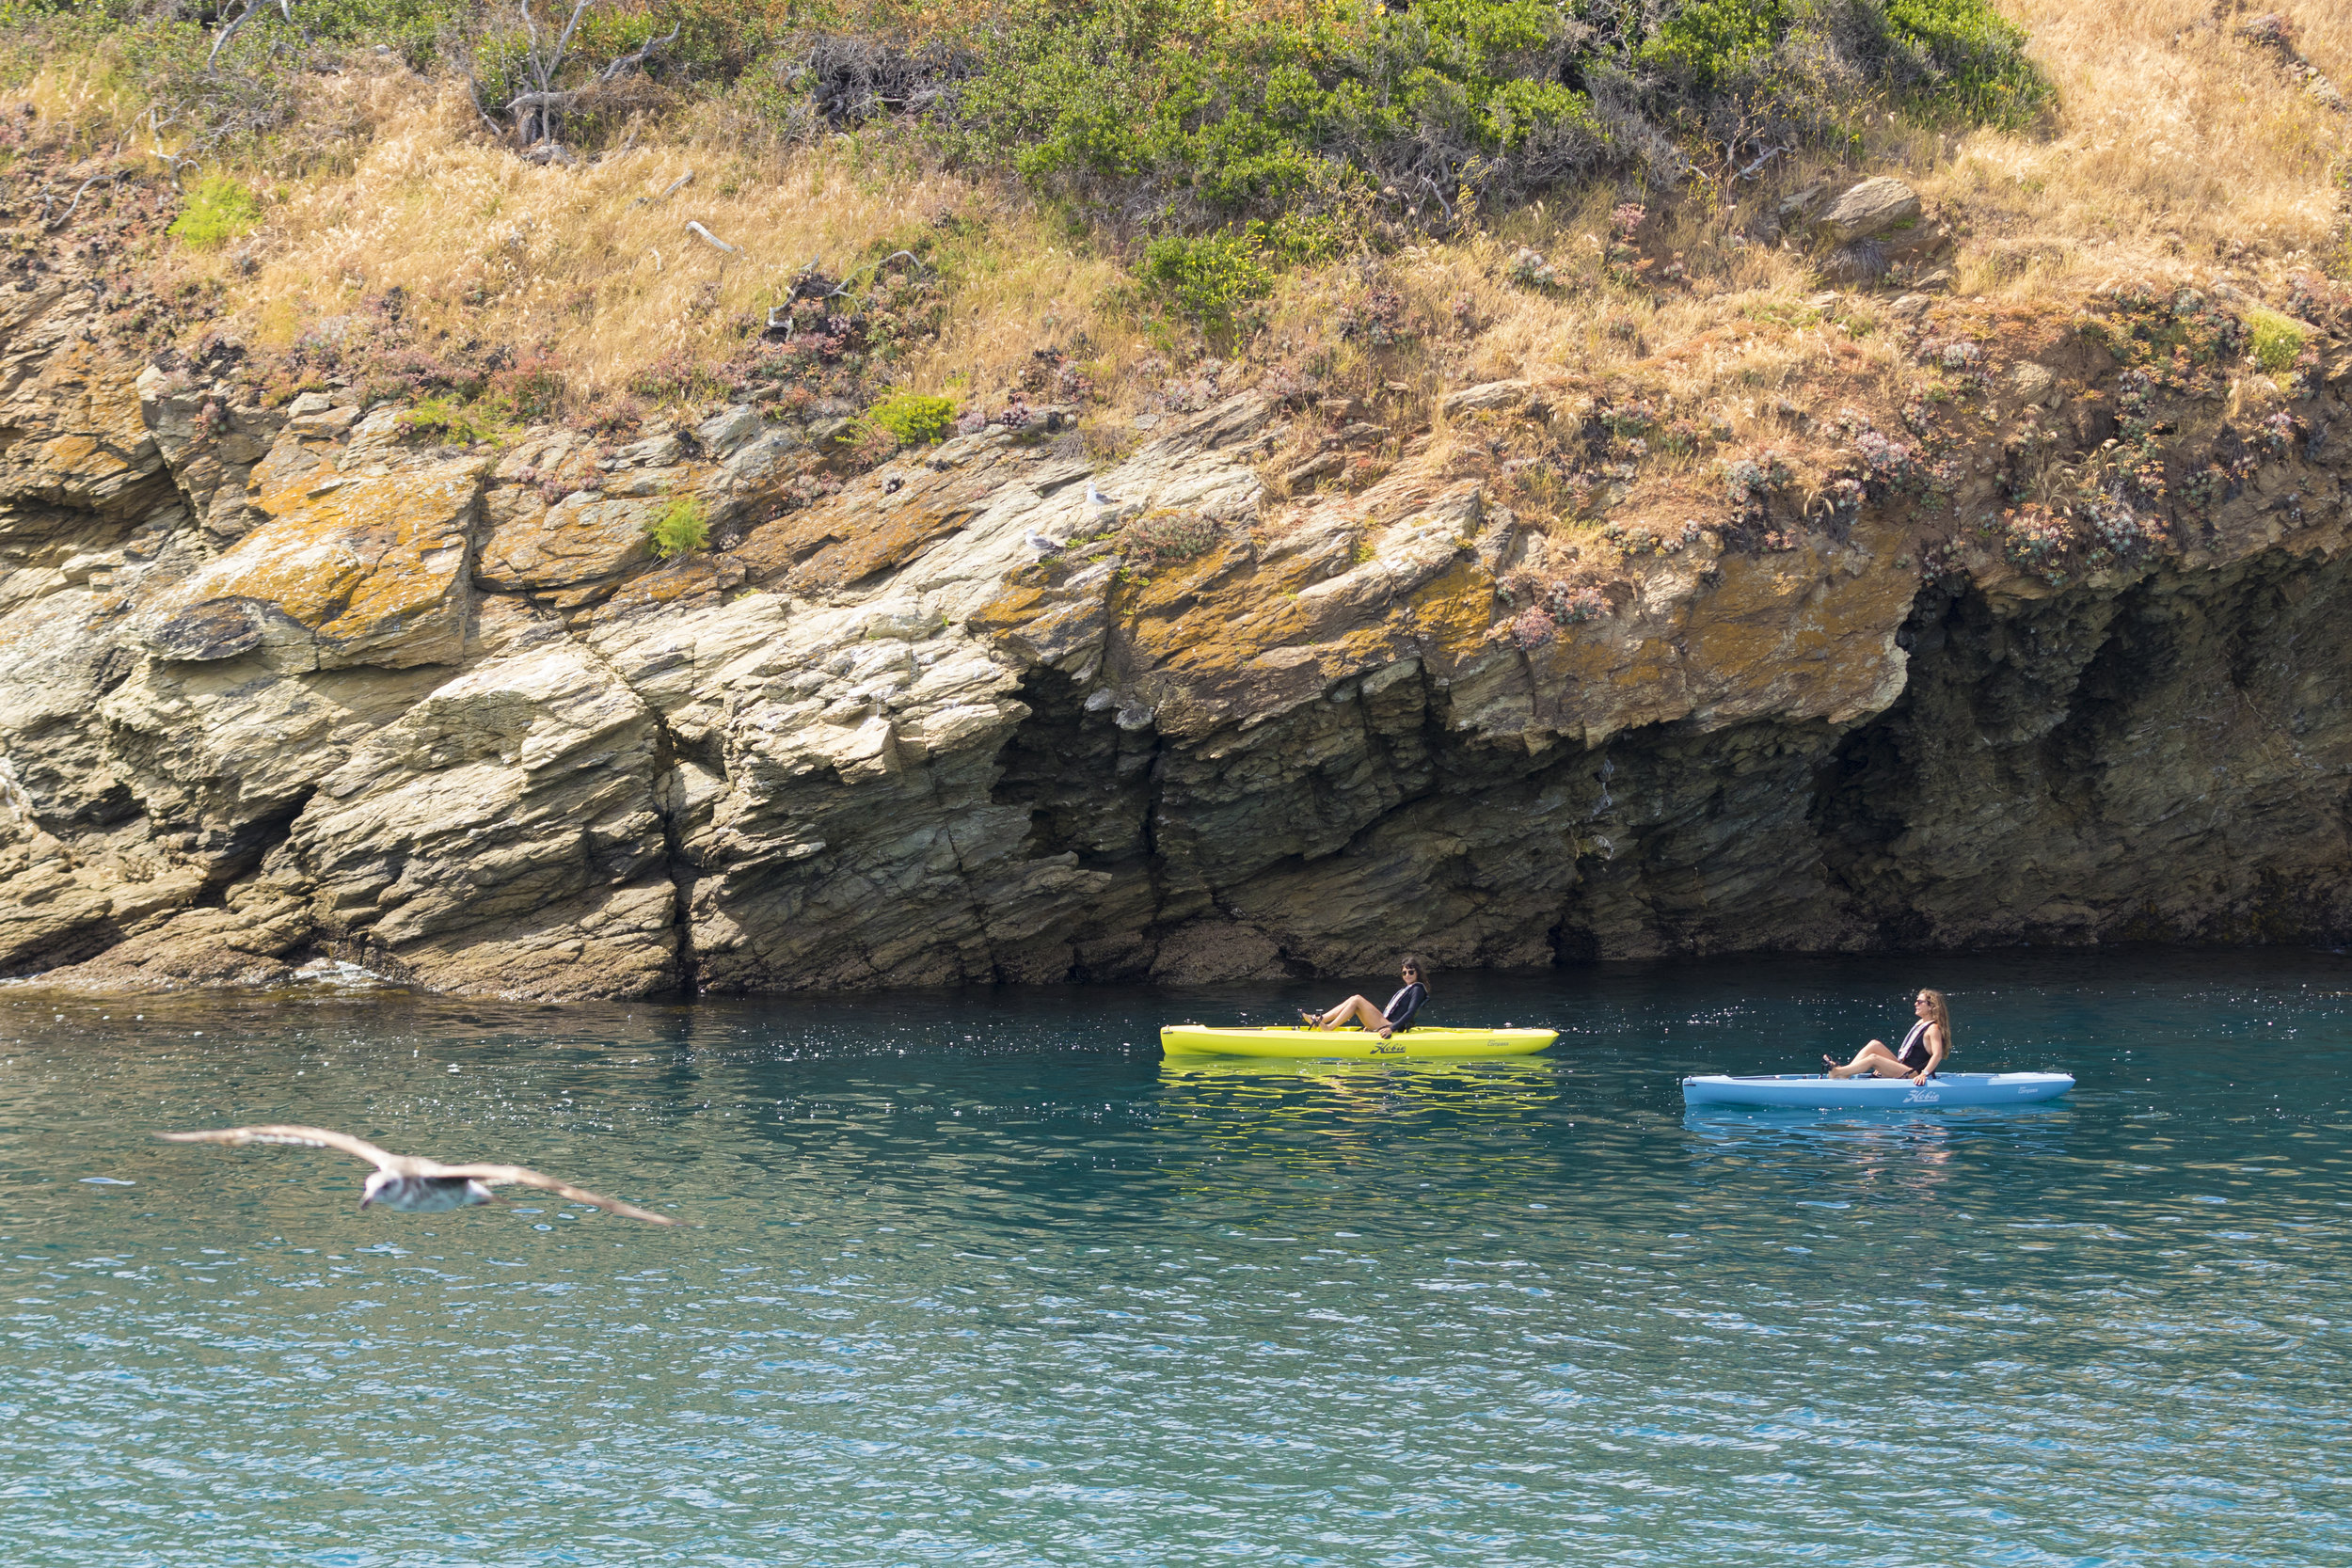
point(681, 526)
point(2276, 339)
point(219, 211)
point(914, 418)
point(1516, 112)
point(1706, 41)
point(410, 28)
point(1232, 113)
point(455, 422)
point(1210, 279)
point(1969, 58)
point(1199, 117)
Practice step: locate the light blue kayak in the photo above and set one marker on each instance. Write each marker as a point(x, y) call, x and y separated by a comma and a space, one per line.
point(1813, 1090)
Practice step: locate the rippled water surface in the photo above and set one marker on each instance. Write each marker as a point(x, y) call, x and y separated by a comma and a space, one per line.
point(980, 1279)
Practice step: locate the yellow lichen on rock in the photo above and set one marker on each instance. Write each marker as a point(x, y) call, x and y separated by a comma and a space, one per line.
point(361, 569)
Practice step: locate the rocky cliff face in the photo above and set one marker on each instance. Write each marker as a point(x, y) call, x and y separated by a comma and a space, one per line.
point(290, 682)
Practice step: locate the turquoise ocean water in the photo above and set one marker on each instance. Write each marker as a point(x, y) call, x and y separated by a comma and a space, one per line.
point(980, 1279)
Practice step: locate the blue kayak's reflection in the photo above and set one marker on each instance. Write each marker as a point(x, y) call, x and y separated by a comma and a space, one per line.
point(1866, 1152)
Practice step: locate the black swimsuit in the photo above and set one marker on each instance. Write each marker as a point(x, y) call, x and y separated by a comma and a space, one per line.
point(1915, 1054)
point(1405, 1004)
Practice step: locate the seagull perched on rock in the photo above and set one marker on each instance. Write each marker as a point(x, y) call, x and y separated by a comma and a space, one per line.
point(1096, 498)
point(408, 1183)
point(1044, 544)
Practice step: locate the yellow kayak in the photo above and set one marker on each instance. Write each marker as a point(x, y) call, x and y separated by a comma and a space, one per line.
point(1405, 1045)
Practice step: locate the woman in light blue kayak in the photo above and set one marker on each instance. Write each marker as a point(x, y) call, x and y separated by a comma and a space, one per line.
point(1398, 1014)
point(1923, 1050)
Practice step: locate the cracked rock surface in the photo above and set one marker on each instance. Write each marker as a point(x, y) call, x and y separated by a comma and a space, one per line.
point(289, 682)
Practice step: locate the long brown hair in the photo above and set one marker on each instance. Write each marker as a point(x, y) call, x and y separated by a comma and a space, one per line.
point(1940, 1014)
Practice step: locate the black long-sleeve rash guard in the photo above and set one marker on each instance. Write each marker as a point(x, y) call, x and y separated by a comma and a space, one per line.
point(1405, 1004)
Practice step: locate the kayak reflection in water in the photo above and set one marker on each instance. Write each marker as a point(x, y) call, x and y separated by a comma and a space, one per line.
point(1398, 1014)
point(1923, 1050)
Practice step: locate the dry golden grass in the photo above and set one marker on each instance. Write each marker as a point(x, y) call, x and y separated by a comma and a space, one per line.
point(594, 266)
point(2180, 148)
point(2175, 150)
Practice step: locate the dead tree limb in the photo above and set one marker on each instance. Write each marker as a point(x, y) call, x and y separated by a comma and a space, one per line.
point(670, 190)
point(220, 40)
point(66, 216)
point(534, 112)
point(708, 237)
point(635, 59)
point(543, 64)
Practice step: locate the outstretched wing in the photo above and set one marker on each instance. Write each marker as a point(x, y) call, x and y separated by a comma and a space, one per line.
point(520, 1176)
point(305, 1137)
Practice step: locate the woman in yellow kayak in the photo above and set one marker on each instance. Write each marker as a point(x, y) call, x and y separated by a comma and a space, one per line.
point(1923, 1050)
point(1398, 1014)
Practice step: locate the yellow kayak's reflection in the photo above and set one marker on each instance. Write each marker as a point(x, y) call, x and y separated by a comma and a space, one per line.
point(1263, 1124)
point(1465, 1072)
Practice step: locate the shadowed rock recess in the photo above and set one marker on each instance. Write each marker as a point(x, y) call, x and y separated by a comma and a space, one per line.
point(285, 683)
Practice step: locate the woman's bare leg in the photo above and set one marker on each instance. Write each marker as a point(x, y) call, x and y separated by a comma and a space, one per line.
point(1873, 1057)
point(1357, 1007)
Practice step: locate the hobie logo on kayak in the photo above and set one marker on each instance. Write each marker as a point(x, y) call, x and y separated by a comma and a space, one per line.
point(1922, 1097)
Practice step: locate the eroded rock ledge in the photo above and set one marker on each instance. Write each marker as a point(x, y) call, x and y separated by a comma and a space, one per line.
point(287, 682)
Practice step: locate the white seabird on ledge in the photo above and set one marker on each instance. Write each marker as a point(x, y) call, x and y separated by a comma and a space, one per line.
point(408, 1184)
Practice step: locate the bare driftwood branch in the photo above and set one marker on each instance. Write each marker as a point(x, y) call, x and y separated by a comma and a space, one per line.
point(473, 96)
point(670, 190)
point(524, 102)
point(1438, 192)
point(635, 58)
point(708, 237)
point(875, 267)
point(542, 63)
point(285, 9)
point(66, 216)
point(535, 111)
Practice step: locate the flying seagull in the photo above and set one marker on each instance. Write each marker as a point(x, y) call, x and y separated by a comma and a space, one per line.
point(406, 1182)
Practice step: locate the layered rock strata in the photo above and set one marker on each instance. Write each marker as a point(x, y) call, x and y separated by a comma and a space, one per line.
point(290, 682)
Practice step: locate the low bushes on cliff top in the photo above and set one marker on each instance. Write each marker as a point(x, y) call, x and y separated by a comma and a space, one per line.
point(1308, 117)
point(1193, 113)
point(1206, 150)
